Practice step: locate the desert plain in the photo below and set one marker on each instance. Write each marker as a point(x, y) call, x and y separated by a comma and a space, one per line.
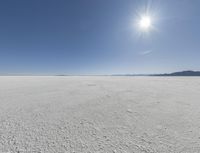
point(99, 114)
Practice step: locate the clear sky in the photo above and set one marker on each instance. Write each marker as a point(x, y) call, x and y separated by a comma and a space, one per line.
point(98, 36)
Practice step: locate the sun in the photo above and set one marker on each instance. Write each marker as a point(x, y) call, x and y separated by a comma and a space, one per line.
point(145, 22)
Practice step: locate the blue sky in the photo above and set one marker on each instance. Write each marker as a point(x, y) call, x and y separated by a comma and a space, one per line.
point(98, 36)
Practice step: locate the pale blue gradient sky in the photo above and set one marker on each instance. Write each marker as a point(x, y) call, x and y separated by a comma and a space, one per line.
point(98, 36)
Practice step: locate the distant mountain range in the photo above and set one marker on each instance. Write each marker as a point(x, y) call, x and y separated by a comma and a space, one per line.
point(182, 73)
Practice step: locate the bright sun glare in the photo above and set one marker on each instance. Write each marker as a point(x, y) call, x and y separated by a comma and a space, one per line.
point(145, 22)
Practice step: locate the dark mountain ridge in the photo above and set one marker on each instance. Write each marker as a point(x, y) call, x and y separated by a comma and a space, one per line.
point(182, 73)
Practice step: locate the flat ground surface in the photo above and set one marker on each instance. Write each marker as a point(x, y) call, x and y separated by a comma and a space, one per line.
point(100, 114)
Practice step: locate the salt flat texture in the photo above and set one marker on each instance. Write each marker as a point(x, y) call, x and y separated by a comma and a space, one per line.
point(99, 114)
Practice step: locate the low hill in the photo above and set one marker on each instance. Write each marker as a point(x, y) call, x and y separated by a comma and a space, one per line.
point(182, 73)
